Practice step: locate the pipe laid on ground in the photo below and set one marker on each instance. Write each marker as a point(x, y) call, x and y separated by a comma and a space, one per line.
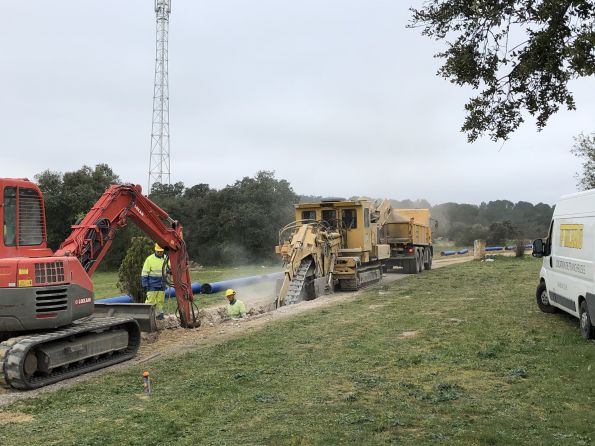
point(495, 248)
point(215, 287)
point(463, 251)
point(447, 253)
point(171, 292)
point(124, 299)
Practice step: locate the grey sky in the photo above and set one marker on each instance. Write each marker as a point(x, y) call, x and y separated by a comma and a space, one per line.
point(336, 96)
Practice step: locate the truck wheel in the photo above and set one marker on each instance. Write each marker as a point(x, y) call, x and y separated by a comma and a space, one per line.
point(428, 263)
point(587, 330)
point(542, 299)
point(420, 261)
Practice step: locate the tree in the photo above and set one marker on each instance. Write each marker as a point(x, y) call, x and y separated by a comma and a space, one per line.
point(501, 232)
point(159, 190)
point(131, 266)
point(521, 54)
point(584, 148)
point(70, 196)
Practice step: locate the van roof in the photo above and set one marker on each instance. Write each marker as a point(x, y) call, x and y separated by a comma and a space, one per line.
point(579, 203)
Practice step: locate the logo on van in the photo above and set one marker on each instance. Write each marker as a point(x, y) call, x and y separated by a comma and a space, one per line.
point(571, 236)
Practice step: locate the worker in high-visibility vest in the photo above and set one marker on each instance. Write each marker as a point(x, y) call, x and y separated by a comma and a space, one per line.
point(236, 309)
point(153, 280)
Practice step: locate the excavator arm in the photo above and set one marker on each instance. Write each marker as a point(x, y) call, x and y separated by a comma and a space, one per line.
point(91, 238)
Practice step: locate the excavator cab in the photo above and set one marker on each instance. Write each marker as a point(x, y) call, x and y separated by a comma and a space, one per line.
point(37, 290)
point(23, 220)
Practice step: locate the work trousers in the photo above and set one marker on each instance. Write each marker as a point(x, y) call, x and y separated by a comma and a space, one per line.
point(157, 298)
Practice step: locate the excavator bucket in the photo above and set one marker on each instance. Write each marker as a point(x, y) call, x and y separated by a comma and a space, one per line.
point(144, 314)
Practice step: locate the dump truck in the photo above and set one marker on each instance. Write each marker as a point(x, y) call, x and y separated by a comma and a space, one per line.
point(331, 244)
point(48, 327)
point(408, 233)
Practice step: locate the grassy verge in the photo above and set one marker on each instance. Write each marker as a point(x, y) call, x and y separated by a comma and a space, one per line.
point(459, 355)
point(105, 283)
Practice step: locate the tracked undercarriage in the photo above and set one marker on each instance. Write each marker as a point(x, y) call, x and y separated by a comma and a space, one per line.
point(42, 358)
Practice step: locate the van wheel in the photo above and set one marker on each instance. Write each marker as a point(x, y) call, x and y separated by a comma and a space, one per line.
point(587, 330)
point(542, 299)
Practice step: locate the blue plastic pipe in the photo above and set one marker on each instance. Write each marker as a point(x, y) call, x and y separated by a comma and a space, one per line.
point(495, 248)
point(215, 287)
point(171, 292)
point(448, 253)
point(463, 251)
point(124, 299)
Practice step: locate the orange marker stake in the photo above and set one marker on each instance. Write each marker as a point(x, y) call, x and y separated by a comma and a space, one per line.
point(146, 383)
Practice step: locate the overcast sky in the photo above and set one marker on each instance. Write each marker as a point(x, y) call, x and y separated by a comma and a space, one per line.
point(335, 96)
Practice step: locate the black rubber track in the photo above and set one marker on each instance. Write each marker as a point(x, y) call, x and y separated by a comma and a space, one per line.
point(14, 351)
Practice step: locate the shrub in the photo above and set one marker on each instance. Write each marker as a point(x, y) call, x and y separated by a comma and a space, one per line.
point(131, 266)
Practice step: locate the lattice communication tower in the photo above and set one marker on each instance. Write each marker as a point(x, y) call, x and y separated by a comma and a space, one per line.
point(159, 171)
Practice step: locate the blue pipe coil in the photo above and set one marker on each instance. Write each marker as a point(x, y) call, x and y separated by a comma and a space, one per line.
point(448, 253)
point(215, 287)
point(171, 292)
point(463, 251)
point(124, 299)
point(495, 248)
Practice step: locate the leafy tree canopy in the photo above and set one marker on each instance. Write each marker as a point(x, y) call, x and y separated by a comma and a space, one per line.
point(519, 54)
point(69, 196)
point(584, 148)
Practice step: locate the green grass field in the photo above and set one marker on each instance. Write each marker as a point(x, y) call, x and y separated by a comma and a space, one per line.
point(459, 355)
point(105, 283)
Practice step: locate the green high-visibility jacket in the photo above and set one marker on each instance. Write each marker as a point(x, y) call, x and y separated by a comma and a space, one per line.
point(237, 309)
point(152, 273)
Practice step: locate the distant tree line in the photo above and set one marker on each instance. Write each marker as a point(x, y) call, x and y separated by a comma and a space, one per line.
point(236, 224)
point(240, 223)
point(496, 221)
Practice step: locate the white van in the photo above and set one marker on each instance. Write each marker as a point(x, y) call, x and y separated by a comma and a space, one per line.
point(566, 278)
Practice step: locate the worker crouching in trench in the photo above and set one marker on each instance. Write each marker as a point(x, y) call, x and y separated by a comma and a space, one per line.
point(236, 309)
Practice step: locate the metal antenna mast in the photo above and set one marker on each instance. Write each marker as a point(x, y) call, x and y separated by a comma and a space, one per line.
point(159, 171)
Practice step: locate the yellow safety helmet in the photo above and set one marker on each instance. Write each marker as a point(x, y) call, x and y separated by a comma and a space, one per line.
point(229, 292)
point(158, 248)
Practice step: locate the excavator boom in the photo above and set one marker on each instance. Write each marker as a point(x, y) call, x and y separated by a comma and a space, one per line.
point(91, 238)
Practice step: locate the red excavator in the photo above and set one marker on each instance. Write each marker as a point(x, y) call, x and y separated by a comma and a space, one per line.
point(46, 299)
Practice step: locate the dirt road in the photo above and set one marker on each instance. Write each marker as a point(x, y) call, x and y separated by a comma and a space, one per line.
point(214, 330)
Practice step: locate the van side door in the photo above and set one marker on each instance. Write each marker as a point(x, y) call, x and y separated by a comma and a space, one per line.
point(548, 263)
point(572, 253)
